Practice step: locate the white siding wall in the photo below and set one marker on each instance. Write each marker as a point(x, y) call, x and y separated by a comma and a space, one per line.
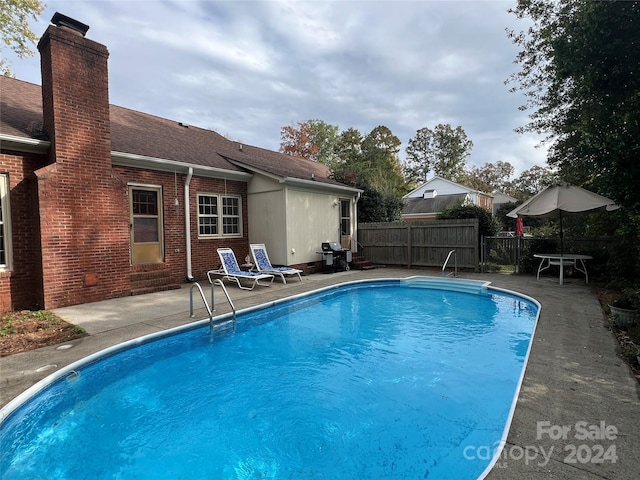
point(288, 219)
point(312, 219)
point(442, 187)
point(267, 216)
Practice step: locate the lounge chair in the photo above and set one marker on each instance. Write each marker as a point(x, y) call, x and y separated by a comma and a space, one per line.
point(263, 265)
point(231, 271)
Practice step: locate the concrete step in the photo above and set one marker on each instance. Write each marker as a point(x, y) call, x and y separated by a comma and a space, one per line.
point(150, 281)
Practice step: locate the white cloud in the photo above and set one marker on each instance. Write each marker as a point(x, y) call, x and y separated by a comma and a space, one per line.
point(246, 69)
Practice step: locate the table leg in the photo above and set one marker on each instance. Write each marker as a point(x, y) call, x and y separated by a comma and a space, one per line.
point(583, 269)
point(541, 268)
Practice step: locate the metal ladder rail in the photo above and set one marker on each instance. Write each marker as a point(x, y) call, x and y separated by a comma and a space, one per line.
point(206, 304)
point(226, 294)
point(455, 263)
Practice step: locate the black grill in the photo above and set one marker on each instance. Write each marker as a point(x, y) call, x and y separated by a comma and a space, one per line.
point(335, 257)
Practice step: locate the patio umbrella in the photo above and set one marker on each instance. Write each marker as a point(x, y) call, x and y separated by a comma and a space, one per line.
point(519, 226)
point(559, 199)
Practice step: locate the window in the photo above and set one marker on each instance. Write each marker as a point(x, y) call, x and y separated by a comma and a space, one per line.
point(5, 230)
point(219, 215)
point(345, 217)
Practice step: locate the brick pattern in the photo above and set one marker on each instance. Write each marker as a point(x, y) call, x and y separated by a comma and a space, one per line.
point(203, 251)
point(204, 255)
point(70, 209)
point(21, 288)
point(83, 206)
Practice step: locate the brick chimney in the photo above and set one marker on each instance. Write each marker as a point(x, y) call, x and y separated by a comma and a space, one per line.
point(75, 94)
point(83, 206)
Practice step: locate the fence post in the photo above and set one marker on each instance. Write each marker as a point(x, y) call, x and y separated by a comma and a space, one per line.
point(519, 244)
point(408, 244)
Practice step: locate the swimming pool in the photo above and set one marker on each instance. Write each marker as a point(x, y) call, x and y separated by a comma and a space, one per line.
point(376, 379)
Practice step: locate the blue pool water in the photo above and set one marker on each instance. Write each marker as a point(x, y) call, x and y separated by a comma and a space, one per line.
point(370, 380)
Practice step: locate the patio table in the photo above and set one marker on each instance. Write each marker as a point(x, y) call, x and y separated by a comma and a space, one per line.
point(576, 260)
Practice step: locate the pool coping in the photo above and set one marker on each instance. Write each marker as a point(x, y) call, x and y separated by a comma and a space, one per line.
point(574, 372)
point(467, 286)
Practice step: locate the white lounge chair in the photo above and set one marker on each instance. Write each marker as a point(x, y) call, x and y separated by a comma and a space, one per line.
point(231, 271)
point(263, 265)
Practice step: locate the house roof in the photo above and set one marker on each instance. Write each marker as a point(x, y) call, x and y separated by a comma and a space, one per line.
point(499, 197)
point(139, 134)
point(419, 205)
point(438, 182)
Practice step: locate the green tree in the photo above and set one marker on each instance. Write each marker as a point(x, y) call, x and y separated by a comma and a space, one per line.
point(326, 138)
point(442, 150)
point(382, 165)
point(14, 26)
point(371, 163)
point(489, 177)
point(349, 164)
point(579, 72)
point(376, 207)
point(532, 181)
point(488, 225)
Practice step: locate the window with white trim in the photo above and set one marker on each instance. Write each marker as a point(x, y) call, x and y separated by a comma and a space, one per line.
point(219, 215)
point(5, 225)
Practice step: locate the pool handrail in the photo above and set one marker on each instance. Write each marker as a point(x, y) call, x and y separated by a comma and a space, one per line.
point(226, 294)
point(206, 304)
point(455, 262)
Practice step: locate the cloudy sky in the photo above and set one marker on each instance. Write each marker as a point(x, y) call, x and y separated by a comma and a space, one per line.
point(247, 68)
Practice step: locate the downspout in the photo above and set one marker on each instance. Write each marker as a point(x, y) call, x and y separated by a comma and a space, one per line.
point(187, 224)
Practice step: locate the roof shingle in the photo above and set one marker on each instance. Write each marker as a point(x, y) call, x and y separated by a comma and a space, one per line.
point(142, 134)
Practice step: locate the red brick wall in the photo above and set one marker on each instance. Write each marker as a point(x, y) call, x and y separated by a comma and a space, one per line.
point(203, 251)
point(21, 288)
point(70, 211)
point(204, 256)
point(83, 206)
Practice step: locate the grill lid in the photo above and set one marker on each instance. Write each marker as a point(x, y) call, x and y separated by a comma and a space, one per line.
point(331, 246)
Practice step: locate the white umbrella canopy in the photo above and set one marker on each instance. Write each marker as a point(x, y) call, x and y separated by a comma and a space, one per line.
point(559, 199)
point(562, 198)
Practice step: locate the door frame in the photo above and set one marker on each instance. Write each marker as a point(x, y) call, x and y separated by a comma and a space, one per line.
point(144, 252)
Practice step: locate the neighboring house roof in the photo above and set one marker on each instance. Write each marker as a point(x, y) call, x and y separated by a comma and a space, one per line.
point(432, 206)
point(443, 187)
point(499, 197)
point(138, 134)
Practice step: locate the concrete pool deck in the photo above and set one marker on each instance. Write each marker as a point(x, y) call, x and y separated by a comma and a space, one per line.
point(577, 415)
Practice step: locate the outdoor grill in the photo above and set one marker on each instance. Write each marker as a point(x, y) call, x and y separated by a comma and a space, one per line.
point(335, 257)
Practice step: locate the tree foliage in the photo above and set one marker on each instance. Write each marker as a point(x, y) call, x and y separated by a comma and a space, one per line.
point(532, 181)
point(382, 165)
point(314, 140)
point(442, 150)
point(490, 177)
point(15, 30)
point(376, 207)
point(579, 72)
point(488, 225)
point(326, 138)
point(298, 141)
point(371, 163)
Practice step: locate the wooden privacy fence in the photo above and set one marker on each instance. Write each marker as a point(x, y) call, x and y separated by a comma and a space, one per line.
point(420, 244)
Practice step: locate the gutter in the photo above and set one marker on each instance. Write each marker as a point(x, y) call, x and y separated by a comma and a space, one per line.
point(187, 224)
point(164, 165)
point(22, 144)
